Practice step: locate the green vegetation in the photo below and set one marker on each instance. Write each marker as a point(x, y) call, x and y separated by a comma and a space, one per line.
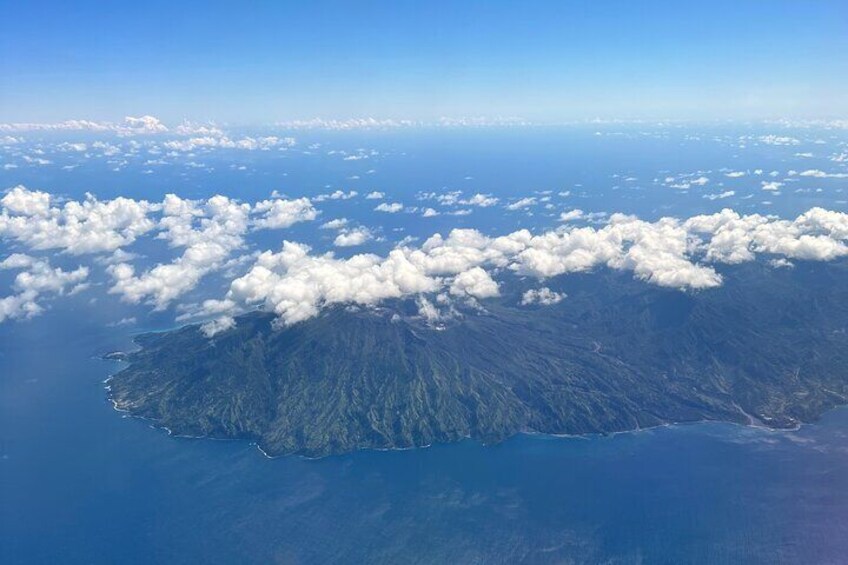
point(768, 347)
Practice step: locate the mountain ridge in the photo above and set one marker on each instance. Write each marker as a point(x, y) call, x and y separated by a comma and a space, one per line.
point(616, 355)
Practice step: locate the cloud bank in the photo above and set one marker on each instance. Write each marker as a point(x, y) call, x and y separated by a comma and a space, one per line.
point(296, 283)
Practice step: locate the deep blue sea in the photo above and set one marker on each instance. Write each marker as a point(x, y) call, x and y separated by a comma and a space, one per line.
point(81, 483)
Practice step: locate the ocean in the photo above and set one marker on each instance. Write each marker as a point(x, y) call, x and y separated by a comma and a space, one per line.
point(81, 483)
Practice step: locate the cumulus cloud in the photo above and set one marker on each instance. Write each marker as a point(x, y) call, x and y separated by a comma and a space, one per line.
point(686, 181)
point(37, 220)
point(542, 296)
point(571, 215)
point(336, 224)
point(816, 173)
point(389, 208)
point(41, 221)
point(279, 213)
point(778, 140)
point(130, 126)
point(669, 252)
point(481, 200)
point(215, 139)
point(296, 283)
point(337, 195)
point(379, 124)
point(349, 124)
point(35, 280)
point(817, 235)
point(353, 237)
point(476, 282)
point(720, 195)
point(522, 203)
point(143, 124)
point(207, 231)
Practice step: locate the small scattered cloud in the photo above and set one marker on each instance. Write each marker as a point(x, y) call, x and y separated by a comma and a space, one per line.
point(542, 296)
point(522, 203)
point(353, 237)
point(389, 208)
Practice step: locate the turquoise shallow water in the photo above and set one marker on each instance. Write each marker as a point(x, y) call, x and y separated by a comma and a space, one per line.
point(82, 484)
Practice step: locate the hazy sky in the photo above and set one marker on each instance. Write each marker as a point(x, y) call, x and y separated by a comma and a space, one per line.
point(252, 62)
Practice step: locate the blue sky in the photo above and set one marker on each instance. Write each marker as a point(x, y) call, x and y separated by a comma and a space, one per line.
point(544, 61)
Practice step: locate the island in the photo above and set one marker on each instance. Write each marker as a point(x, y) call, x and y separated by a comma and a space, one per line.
point(769, 347)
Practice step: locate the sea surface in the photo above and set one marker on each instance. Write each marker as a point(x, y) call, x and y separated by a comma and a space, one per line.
point(81, 483)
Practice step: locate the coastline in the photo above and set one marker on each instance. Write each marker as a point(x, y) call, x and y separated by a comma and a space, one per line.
point(753, 424)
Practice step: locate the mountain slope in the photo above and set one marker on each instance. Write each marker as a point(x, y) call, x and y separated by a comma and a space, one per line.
point(617, 354)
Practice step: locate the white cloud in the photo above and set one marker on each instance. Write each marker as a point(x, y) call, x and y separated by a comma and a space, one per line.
point(543, 296)
point(816, 173)
point(815, 235)
point(144, 124)
point(375, 195)
point(481, 200)
point(37, 220)
point(571, 215)
point(522, 203)
point(130, 126)
point(721, 195)
point(778, 140)
point(279, 213)
point(35, 279)
point(446, 199)
point(336, 224)
point(482, 121)
point(208, 232)
point(349, 124)
point(378, 123)
point(37, 160)
point(337, 195)
point(686, 181)
point(353, 237)
point(72, 147)
point(475, 282)
point(392, 208)
point(214, 140)
point(217, 325)
point(41, 221)
point(296, 284)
